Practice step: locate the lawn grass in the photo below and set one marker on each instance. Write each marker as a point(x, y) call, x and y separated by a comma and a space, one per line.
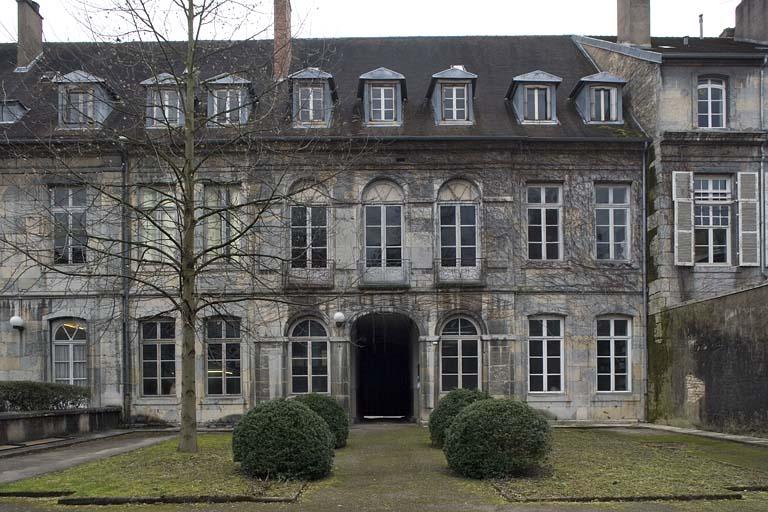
point(602, 463)
point(160, 470)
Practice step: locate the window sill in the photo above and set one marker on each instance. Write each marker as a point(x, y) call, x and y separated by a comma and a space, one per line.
point(715, 269)
point(618, 264)
point(455, 123)
point(547, 398)
point(374, 124)
point(598, 123)
point(223, 400)
point(551, 122)
point(311, 126)
point(546, 264)
point(623, 397)
point(156, 400)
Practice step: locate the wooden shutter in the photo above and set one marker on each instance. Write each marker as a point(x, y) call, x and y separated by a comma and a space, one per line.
point(682, 195)
point(749, 219)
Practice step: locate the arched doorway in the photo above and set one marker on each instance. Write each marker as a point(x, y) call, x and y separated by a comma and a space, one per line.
point(385, 367)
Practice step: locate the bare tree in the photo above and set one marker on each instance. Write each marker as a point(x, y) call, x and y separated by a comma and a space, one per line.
point(197, 201)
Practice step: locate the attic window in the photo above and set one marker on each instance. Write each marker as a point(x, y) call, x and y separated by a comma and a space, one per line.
point(598, 98)
point(314, 93)
point(78, 107)
point(533, 97)
point(383, 93)
point(164, 108)
point(85, 100)
point(311, 104)
point(382, 107)
point(604, 104)
point(454, 102)
point(226, 105)
point(451, 92)
point(11, 111)
point(537, 103)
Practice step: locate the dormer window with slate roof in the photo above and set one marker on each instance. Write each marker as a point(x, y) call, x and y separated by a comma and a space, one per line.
point(84, 100)
point(313, 93)
point(383, 92)
point(229, 100)
point(11, 111)
point(598, 98)
point(534, 97)
point(451, 93)
point(164, 101)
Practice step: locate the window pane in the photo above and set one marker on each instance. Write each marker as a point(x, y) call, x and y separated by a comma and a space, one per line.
point(233, 386)
point(149, 387)
point(536, 383)
point(536, 327)
point(534, 195)
point(168, 352)
point(149, 352)
point(469, 382)
point(215, 386)
point(537, 365)
point(167, 330)
point(450, 365)
point(621, 383)
point(468, 215)
point(604, 383)
point(450, 382)
point(553, 383)
point(214, 329)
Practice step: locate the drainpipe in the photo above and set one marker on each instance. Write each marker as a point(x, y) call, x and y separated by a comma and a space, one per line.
point(126, 264)
point(763, 190)
point(646, 145)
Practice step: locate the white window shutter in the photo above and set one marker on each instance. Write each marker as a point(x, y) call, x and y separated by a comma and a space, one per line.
point(749, 219)
point(682, 195)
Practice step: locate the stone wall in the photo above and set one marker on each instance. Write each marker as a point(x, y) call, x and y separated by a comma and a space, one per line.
point(708, 363)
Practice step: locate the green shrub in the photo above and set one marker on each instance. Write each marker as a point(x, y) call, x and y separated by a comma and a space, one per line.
point(283, 439)
point(20, 396)
point(447, 408)
point(496, 439)
point(333, 414)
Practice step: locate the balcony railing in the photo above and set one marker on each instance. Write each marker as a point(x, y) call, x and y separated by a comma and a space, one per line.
point(297, 278)
point(459, 271)
point(382, 273)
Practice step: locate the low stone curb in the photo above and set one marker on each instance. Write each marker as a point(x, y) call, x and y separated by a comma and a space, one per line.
point(749, 488)
point(609, 499)
point(26, 450)
point(35, 494)
point(720, 436)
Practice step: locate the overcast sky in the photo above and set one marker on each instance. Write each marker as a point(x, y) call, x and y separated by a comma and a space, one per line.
point(341, 18)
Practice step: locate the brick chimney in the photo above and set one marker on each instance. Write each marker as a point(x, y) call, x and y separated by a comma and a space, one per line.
point(282, 56)
point(30, 44)
point(752, 21)
point(634, 22)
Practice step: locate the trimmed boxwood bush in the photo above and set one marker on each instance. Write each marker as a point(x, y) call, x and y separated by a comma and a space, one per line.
point(333, 414)
point(497, 439)
point(447, 408)
point(22, 396)
point(283, 439)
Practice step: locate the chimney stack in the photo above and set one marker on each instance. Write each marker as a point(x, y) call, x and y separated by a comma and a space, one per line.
point(752, 21)
point(30, 44)
point(282, 55)
point(634, 22)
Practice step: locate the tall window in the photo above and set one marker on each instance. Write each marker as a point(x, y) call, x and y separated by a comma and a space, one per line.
point(604, 104)
point(458, 235)
point(613, 349)
point(227, 105)
point(165, 108)
point(70, 353)
point(224, 227)
point(712, 219)
point(537, 104)
point(712, 111)
point(311, 104)
point(454, 102)
point(158, 357)
point(222, 362)
point(383, 236)
point(545, 355)
point(459, 356)
point(309, 358)
point(544, 222)
point(309, 237)
point(612, 222)
point(78, 107)
point(157, 223)
point(69, 230)
point(382, 108)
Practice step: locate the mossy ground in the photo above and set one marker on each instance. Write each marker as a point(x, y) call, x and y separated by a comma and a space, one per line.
point(394, 468)
point(625, 463)
point(159, 470)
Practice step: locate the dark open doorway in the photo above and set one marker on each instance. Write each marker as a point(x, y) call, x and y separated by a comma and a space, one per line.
point(385, 368)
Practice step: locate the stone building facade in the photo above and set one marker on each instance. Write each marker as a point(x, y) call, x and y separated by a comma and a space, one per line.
point(704, 103)
point(497, 243)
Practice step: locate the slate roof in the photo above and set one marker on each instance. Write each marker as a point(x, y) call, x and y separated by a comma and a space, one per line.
point(496, 61)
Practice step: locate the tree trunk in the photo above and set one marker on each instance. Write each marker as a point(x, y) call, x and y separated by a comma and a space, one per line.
point(188, 435)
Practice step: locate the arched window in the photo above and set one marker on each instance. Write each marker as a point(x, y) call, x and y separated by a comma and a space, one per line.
point(70, 353)
point(614, 349)
point(309, 357)
point(383, 213)
point(222, 362)
point(458, 213)
point(712, 103)
point(309, 226)
point(158, 357)
point(460, 359)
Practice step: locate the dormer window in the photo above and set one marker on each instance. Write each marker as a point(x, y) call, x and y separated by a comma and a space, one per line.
point(537, 103)
point(451, 93)
point(383, 92)
point(11, 111)
point(228, 100)
point(84, 100)
point(533, 97)
point(164, 102)
point(603, 104)
point(314, 93)
point(598, 98)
